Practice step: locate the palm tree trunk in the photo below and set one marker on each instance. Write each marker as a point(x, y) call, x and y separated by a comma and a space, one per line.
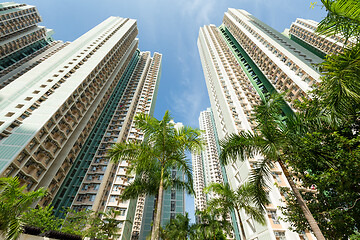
point(157, 220)
point(309, 217)
point(241, 224)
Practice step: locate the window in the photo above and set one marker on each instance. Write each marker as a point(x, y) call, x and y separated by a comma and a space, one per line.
point(273, 216)
point(173, 205)
point(122, 211)
point(116, 187)
point(92, 197)
point(280, 235)
point(278, 179)
point(120, 224)
point(173, 194)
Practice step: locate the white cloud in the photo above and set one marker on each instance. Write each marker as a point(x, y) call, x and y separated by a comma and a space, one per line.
point(199, 10)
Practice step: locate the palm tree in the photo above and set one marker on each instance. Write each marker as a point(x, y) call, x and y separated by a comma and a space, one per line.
point(13, 202)
point(270, 137)
point(178, 228)
point(230, 200)
point(212, 225)
point(109, 224)
point(153, 159)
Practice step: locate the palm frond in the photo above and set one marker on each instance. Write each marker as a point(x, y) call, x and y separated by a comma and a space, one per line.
point(260, 179)
point(124, 151)
point(243, 145)
point(146, 185)
point(189, 137)
point(340, 86)
point(14, 229)
point(343, 18)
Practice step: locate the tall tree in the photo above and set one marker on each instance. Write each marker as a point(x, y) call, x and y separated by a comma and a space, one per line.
point(238, 200)
point(153, 159)
point(13, 202)
point(269, 139)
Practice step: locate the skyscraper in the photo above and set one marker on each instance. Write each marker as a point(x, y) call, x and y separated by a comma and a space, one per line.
point(59, 117)
point(243, 61)
point(206, 166)
point(23, 44)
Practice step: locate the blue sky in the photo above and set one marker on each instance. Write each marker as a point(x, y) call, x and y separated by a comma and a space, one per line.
point(171, 28)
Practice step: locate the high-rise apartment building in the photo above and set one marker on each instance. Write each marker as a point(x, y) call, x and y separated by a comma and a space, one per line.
point(303, 32)
point(206, 165)
point(70, 104)
point(199, 182)
point(23, 44)
point(207, 168)
point(243, 61)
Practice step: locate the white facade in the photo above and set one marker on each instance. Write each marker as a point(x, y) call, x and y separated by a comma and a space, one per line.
point(199, 184)
point(206, 165)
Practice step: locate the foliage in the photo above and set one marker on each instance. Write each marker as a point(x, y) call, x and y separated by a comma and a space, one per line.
point(240, 199)
point(14, 201)
point(153, 159)
point(343, 18)
point(274, 138)
point(293, 214)
point(75, 221)
point(212, 225)
point(339, 90)
point(178, 228)
point(43, 218)
point(326, 155)
point(325, 159)
point(109, 224)
point(267, 140)
point(85, 223)
point(355, 236)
